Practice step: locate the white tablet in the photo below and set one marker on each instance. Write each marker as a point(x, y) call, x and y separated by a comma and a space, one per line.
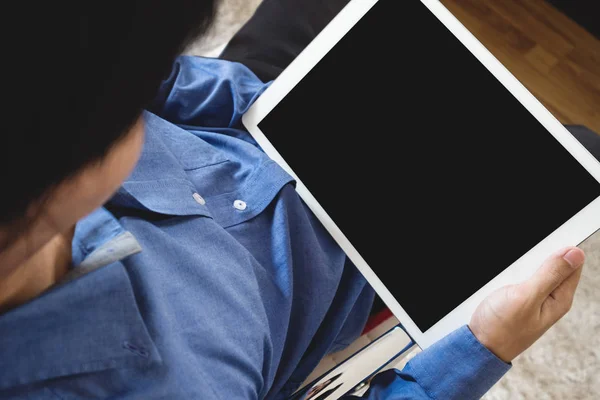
point(436, 171)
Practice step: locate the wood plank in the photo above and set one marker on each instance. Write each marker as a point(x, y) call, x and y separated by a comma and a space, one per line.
point(562, 24)
point(514, 13)
point(541, 59)
point(585, 59)
point(587, 48)
point(557, 60)
point(492, 20)
point(591, 79)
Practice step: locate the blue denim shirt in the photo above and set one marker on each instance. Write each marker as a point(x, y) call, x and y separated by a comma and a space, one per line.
point(207, 277)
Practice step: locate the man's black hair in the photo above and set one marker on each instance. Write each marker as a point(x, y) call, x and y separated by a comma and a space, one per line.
point(76, 77)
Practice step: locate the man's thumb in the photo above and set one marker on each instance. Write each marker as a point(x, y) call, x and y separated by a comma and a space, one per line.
point(554, 271)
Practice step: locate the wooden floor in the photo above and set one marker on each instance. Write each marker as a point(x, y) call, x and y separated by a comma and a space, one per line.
point(555, 58)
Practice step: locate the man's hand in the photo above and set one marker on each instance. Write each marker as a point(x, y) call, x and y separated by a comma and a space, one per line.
point(511, 319)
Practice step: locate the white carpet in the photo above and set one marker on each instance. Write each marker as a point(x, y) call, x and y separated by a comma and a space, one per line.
point(231, 15)
point(565, 363)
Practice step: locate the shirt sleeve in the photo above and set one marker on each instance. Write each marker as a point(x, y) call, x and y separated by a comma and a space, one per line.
point(456, 367)
point(206, 92)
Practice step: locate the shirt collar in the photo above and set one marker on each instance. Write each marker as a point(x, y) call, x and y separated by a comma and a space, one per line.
point(92, 232)
point(159, 183)
point(42, 339)
point(86, 325)
point(93, 323)
point(99, 240)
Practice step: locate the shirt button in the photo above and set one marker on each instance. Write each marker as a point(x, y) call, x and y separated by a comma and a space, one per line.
point(199, 199)
point(239, 205)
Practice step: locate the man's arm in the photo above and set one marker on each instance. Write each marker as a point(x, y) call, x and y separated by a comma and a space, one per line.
point(456, 367)
point(469, 361)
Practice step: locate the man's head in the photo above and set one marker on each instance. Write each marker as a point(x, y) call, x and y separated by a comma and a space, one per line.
point(75, 91)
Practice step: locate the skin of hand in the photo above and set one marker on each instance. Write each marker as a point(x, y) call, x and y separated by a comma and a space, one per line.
point(512, 318)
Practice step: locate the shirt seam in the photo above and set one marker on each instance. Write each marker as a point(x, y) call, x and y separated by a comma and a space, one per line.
point(84, 251)
point(427, 391)
point(206, 166)
point(55, 394)
point(212, 389)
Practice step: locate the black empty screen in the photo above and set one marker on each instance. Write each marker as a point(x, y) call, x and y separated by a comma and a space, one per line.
point(432, 169)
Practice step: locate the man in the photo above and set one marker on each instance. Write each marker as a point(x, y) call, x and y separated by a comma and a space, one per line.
point(162, 255)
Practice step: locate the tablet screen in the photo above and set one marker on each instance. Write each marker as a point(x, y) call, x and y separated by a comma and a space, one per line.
point(437, 175)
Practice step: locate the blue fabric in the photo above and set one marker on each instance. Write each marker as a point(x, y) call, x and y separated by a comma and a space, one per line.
point(221, 303)
point(92, 232)
point(456, 367)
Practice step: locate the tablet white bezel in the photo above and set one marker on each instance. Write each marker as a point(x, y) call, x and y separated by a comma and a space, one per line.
point(573, 232)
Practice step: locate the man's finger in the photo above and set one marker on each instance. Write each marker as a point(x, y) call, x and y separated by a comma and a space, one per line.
point(555, 271)
point(560, 300)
